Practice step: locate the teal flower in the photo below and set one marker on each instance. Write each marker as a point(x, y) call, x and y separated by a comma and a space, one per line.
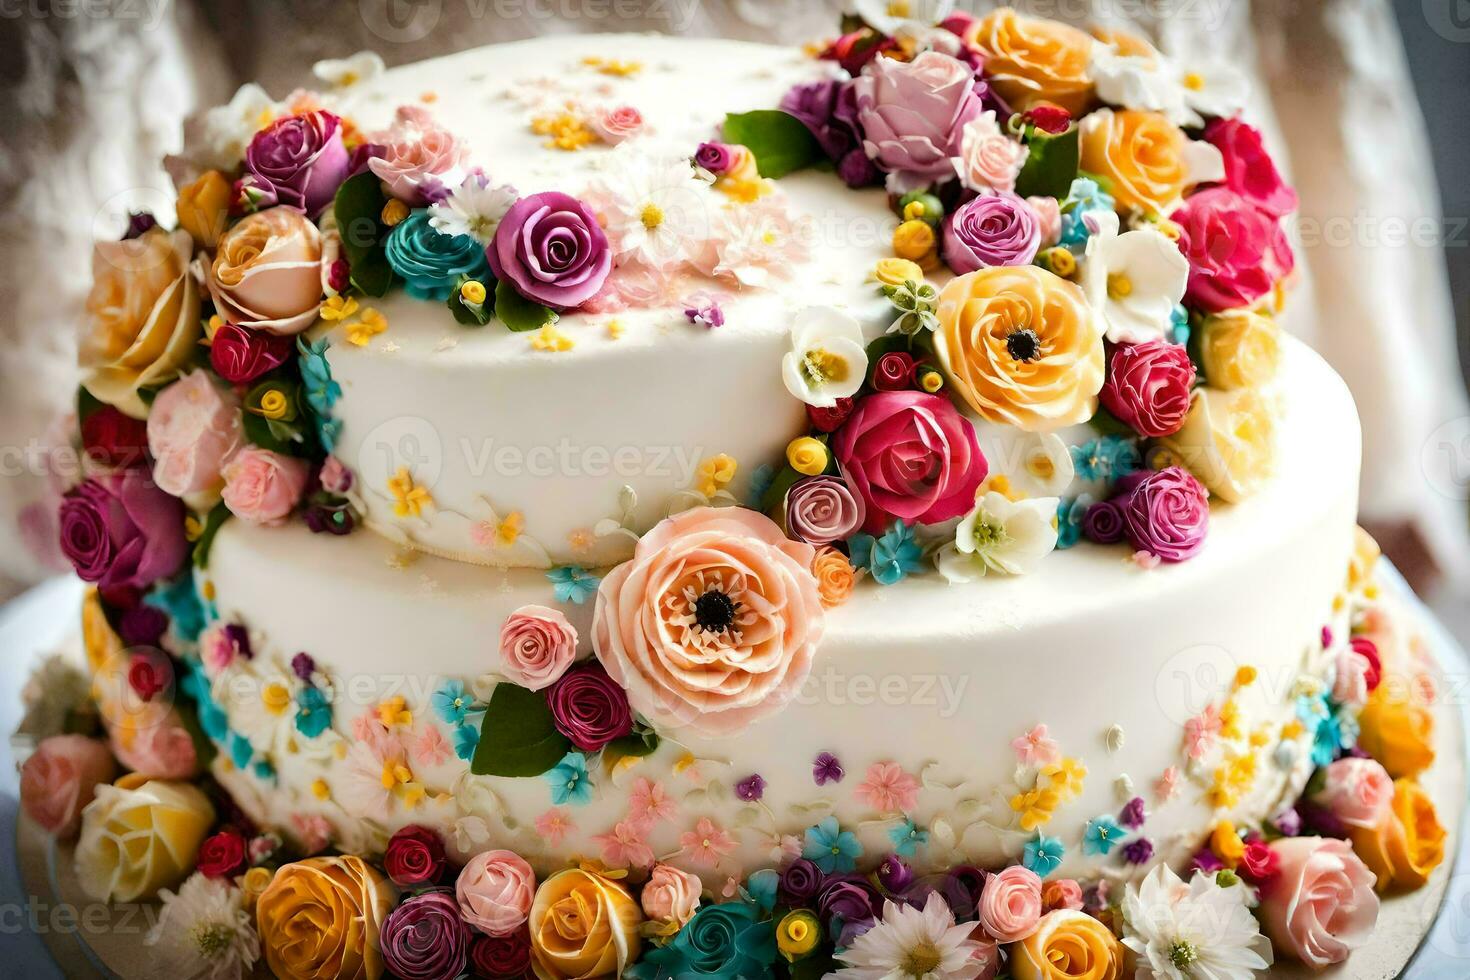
point(830, 848)
point(1102, 835)
point(1083, 197)
point(723, 942)
point(431, 264)
point(569, 780)
point(1043, 855)
point(889, 558)
point(1069, 519)
point(264, 771)
point(1179, 325)
point(240, 750)
point(313, 712)
point(761, 479)
point(908, 838)
point(573, 584)
point(1106, 458)
point(212, 719)
point(451, 703)
point(466, 740)
point(317, 386)
point(180, 600)
point(761, 887)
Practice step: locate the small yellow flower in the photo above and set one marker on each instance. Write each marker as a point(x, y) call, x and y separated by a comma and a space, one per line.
point(394, 711)
point(715, 474)
point(798, 934)
point(508, 530)
point(1292, 729)
point(914, 240)
point(321, 790)
point(274, 405)
point(1035, 807)
point(1230, 719)
point(580, 539)
point(472, 292)
point(276, 697)
point(1001, 484)
point(1059, 261)
point(567, 131)
point(338, 308)
point(1245, 677)
point(896, 271)
point(1226, 843)
point(743, 190)
point(551, 340)
point(1066, 777)
point(807, 456)
point(393, 212)
point(211, 327)
point(193, 528)
point(614, 329)
point(930, 380)
point(612, 66)
point(359, 332)
point(409, 499)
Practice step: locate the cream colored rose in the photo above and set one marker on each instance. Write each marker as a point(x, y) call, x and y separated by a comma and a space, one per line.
point(1148, 161)
point(1239, 349)
point(1021, 347)
point(267, 273)
point(139, 836)
point(1228, 441)
point(1031, 60)
point(143, 317)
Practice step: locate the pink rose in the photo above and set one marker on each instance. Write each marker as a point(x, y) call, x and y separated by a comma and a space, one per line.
point(1048, 217)
point(1061, 893)
point(1166, 513)
point(59, 779)
point(989, 160)
point(912, 116)
point(193, 428)
point(1358, 792)
point(671, 896)
point(537, 645)
point(267, 272)
point(911, 456)
point(1010, 904)
point(713, 623)
point(1148, 387)
point(617, 124)
point(418, 157)
point(263, 487)
point(1249, 170)
point(159, 748)
point(494, 891)
point(1322, 906)
point(1236, 251)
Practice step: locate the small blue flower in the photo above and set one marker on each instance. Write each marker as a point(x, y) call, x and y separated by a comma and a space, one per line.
point(831, 848)
point(180, 600)
point(761, 888)
point(1106, 458)
point(466, 740)
point(1335, 732)
point(1069, 519)
point(891, 557)
point(450, 702)
point(573, 584)
point(760, 481)
point(569, 780)
point(1102, 835)
point(430, 263)
point(213, 721)
point(1083, 197)
point(907, 838)
point(1043, 855)
point(1179, 325)
point(264, 771)
point(1311, 711)
point(240, 750)
point(313, 712)
point(317, 386)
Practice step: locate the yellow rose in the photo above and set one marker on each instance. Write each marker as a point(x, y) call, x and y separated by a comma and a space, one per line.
point(1397, 731)
point(1068, 945)
point(1239, 349)
point(1021, 347)
point(807, 456)
point(1408, 845)
point(798, 934)
point(915, 241)
point(896, 271)
point(1228, 440)
point(143, 314)
point(321, 917)
point(98, 639)
point(204, 207)
point(1143, 156)
point(140, 835)
point(1030, 60)
point(582, 925)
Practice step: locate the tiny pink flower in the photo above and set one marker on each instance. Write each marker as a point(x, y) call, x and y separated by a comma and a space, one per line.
point(554, 825)
point(707, 843)
point(1035, 748)
point(312, 831)
point(1167, 785)
point(1145, 560)
point(431, 748)
point(648, 803)
point(888, 788)
point(1201, 731)
point(624, 846)
point(617, 124)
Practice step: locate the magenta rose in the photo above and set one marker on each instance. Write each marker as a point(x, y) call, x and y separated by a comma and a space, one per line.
point(1148, 387)
point(121, 530)
point(551, 248)
point(894, 371)
point(59, 779)
point(299, 160)
point(910, 455)
point(589, 708)
point(425, 938)
point(194, 426)
point(823, 509)
point(1236, 251)
point(537, 645)
point(502, 957)
point(991, 230)
point(262, 487)
point(1249, 169)
point(414, 856)
point(240, 355)
point(912, 114)
point(1167, 514)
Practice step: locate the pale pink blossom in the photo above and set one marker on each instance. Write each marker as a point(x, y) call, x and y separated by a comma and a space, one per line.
point(418, 156)
point(1036, 748)
point(1049, 216)
point(1167, 784)
point(707, 844)
point(758, 243)
point(634, 285)
point(888, 789)
point(554, 825)
point(313, 832)
point(624, 846)
point(431, 748)
point(648, 803)
point(618, 123)
point(1201, 732)
point(989, 160)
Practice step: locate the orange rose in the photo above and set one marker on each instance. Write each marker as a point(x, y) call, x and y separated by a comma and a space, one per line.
point(1148, 161)
point(1407, 845)
point(1397, 730)
point(583, 925)
point(1021, 347)
point(204, 206)
point(835, 576)
point(1068, 945)
point(321, 917)
point(1030, 60)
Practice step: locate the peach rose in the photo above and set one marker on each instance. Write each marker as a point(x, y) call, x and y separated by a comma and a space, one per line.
point(1407, 844)
point(1322, 905)
point(1061, 893)
point(1031, 60)
point(143, 317)
point(1148, 161)
point(203, 207)
point(1021, 347)
point(671, 896)
point(835, 576)
point(159, 747)
point(262, 487)
point(537, 645)
point(1397, 730)
point(1357, 792)
point(1010, 904)
point(267, 272)
point(583, 925)
point(713, 623)
point(418, 155)
point(494, 890)
point(60, 778)
point(989, 160)
point(140, 835)
point(193, 428)
point(321, 918)
point(1048, 217)
point(1228, 441)
point(1068, 945)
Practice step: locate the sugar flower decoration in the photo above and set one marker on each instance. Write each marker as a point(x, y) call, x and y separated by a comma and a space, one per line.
point(1133, 280)
point(888, 788)
point(707, 844)
point(1199, 929)
point(1043, 855)
point(657, 209)
point(409, 498)
point(827, 360)
point(1036, 748)
point(473, 209)
point(1045, 465)
point(365, 66)
point(758, 243)
point(569, 780)
point(203, 931)
point(1000, 535)
point(831, 848)
point(913, 942)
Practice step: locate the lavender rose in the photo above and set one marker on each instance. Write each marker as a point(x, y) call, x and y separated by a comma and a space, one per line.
point(299, 160)
point(912, 115)
point(424, 937)
point(823, 509)
point(1102, 522)
point(828, 108)
point(551, 248)
point(589, 708)
point(849, 905)
point(991, 230)
point(121, 530)
point(1167, 514)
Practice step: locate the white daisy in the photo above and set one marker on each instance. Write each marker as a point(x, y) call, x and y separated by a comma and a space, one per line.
point(1000, 535)
point(1133, 280)
point(261, 704)
point(474, 208)
point(1214, 88)
point(203, 932)
point(352, 70)
point(912, 943)
point(657, 209)
point(893, 17)
point(1198, 931)
point(827, 360)
point(1041, 465)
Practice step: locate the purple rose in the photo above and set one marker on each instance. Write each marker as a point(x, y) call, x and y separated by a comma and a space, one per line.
point(121, 530)
point(912, 114)
point(856, 170)
point(300, 160)
point(823, 509)
point(589, 708)
point(991, 230)
point(961, 889)
point(1167, 514)
point(716, 157)
point(424, 937)
point(828, 108)
point(550, 247)
point(1103, 522)
point(800, 882)
point(849, 907)
point(894, 875)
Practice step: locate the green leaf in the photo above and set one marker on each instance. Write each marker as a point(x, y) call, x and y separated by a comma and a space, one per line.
point(1051, 165)
point(264, 433)
point(642, 742)
point(814, 967)
point(780, 142)
point(773, 501)
point(358, 209)
point(87, 403)
point(213, 521)
point(518, 736)
point(518, 313)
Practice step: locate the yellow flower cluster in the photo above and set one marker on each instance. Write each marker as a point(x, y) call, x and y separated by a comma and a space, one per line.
point(715, 474)
point(409, 499)
point(565, 130)
point(364, 329)
point(1056, 784)
point(551, 340)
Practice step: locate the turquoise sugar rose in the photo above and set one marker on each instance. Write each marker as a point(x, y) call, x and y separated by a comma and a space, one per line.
point(724, 942)
point(431, 264)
